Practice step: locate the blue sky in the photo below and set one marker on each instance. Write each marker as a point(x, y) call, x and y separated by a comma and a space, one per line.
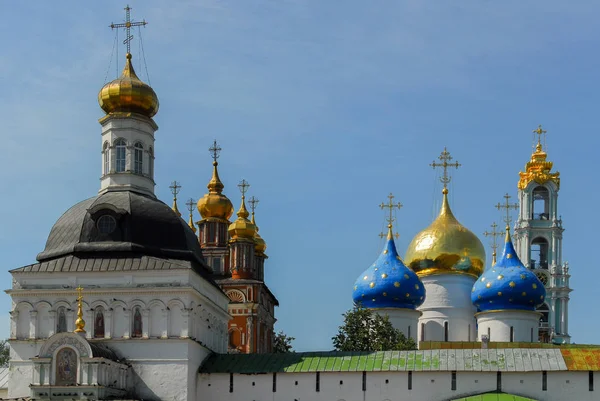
point(324, 107)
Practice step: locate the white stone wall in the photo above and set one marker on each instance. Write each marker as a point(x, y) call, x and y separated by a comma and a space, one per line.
point(405, 320)
point(448, 300)
point(497, 325)
point(381, 386)
point(184, 319)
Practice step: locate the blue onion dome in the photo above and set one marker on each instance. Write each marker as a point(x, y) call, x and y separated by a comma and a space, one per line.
point(388, 283)
point(508, 284)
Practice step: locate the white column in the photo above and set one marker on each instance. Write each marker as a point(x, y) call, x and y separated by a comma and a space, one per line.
point(128, 322)
point(70, 320)
point(32, 324)
point(165, 324)
point(52, 329)
point(185, 327)
point(563, 317)
point(14, 318)
point(108, 317)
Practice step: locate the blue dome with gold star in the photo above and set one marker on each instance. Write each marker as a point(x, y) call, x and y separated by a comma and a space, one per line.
point(388, 283)
point(508, 284)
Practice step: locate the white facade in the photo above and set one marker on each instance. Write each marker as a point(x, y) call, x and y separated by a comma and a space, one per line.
point(508, 325)
point(448, 314)
point(183, 319)
point(538, 242)
point(394, 386)
point(127, 153)
point(405, 320)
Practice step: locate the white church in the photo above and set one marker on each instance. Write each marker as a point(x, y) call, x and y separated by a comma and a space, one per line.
point(121, 304)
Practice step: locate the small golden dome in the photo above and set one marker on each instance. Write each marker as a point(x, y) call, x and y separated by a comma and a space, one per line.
point(260, 246)
point(128, 94)
point(214, 204)
point(446, 247)
point(242, 227)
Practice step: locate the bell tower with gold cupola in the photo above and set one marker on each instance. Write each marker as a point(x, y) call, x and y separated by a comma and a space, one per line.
point(128, 128)
point(538, 238)
point(215, 209)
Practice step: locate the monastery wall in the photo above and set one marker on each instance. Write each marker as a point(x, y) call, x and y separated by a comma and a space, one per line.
point(393, 386)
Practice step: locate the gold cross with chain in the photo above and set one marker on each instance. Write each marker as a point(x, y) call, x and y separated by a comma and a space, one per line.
point(190, 205)
point(445, 158)
point(243, 186)
point(175, 188)
point(390, 219)
point(127, 25)
point(507, 206)
point(215, 149)
point(539, 131)
point(494, 234)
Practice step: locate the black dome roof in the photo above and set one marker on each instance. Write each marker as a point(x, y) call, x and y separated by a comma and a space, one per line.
point(144, 226)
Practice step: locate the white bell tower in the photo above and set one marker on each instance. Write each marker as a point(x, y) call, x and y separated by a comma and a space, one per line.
point(538, 237)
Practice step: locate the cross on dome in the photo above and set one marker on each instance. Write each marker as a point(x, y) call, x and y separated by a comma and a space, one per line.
point(494, 234)
point(127, 25)
point(243, 186)
point(539, 131)
point(390, 219)
point(215, 149)
point(507, 207)
point(445, 158)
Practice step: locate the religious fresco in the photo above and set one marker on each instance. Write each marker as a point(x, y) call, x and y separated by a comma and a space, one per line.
point(66, 367)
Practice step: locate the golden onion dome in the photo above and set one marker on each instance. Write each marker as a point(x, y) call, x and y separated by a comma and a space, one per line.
point(260, 246)
point(215, 205)
point(446, 247)
point(128, 94)
point(242, 228)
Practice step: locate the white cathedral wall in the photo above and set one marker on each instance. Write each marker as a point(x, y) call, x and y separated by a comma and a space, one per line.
point(381, 386)
point(448, 299)
point(498, 324)
point(405, 320)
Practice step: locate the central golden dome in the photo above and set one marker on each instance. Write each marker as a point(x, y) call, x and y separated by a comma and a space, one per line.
point(446, 247)
point(128, 94)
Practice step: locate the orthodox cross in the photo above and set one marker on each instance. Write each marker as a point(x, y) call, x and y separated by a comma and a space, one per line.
point(215, 149)
point(175, 188)
point(253, 202)
point(539, 131)
point(390, 206)
point(190, 205)
point(445, 158)
point(494, 234)
point(243, 186)
point(79, 293)
point(507, 206)
point(127, 25)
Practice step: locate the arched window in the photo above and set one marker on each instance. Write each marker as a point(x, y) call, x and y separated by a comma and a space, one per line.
point(61, 325)
point(150, 163)
point(106, 157)
point(99, 323)
point(137, 323)
point(138, 157)
point(445, 331)
point(121, 155)
point(512, 334)
point(66, 367)
point(422, 331)
point(538, 256)
point(541, 209)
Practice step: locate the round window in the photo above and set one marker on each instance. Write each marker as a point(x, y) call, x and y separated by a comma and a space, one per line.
point(106, 224)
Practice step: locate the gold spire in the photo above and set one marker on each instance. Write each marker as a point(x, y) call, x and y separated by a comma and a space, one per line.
point(175, 188)
point(494, 234)
point(79, 323)
point(507, 238)
point(242, 227)
point(390, 218)
point(538, 169)
point(190, 205)
point(260, 245)
point(215, 205)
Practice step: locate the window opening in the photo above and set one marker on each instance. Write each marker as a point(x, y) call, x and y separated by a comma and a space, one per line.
point(121, 151)
point(150, 163)
point(591, 380)
point(422, 331)
point(138, 158)
point(538, 255)
point(61, 327)
point(541, 209)
point(137, 323)
point(544, 381)
point(106, 158)
point(99, 323)
point(445, 331)
point(512, 334)
point(498, 381)
point(453, 380)
point(410, 379)
point(106, 224)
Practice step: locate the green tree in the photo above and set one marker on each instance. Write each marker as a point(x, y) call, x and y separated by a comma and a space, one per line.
point(282, 343)
point(364, 330)
point(4, 353)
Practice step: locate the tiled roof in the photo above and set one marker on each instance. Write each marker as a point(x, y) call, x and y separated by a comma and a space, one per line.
point(494, 397)
point(581, 358)
point(476, 360)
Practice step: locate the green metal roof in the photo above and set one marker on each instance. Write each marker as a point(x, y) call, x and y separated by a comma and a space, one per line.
point(476, 360)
